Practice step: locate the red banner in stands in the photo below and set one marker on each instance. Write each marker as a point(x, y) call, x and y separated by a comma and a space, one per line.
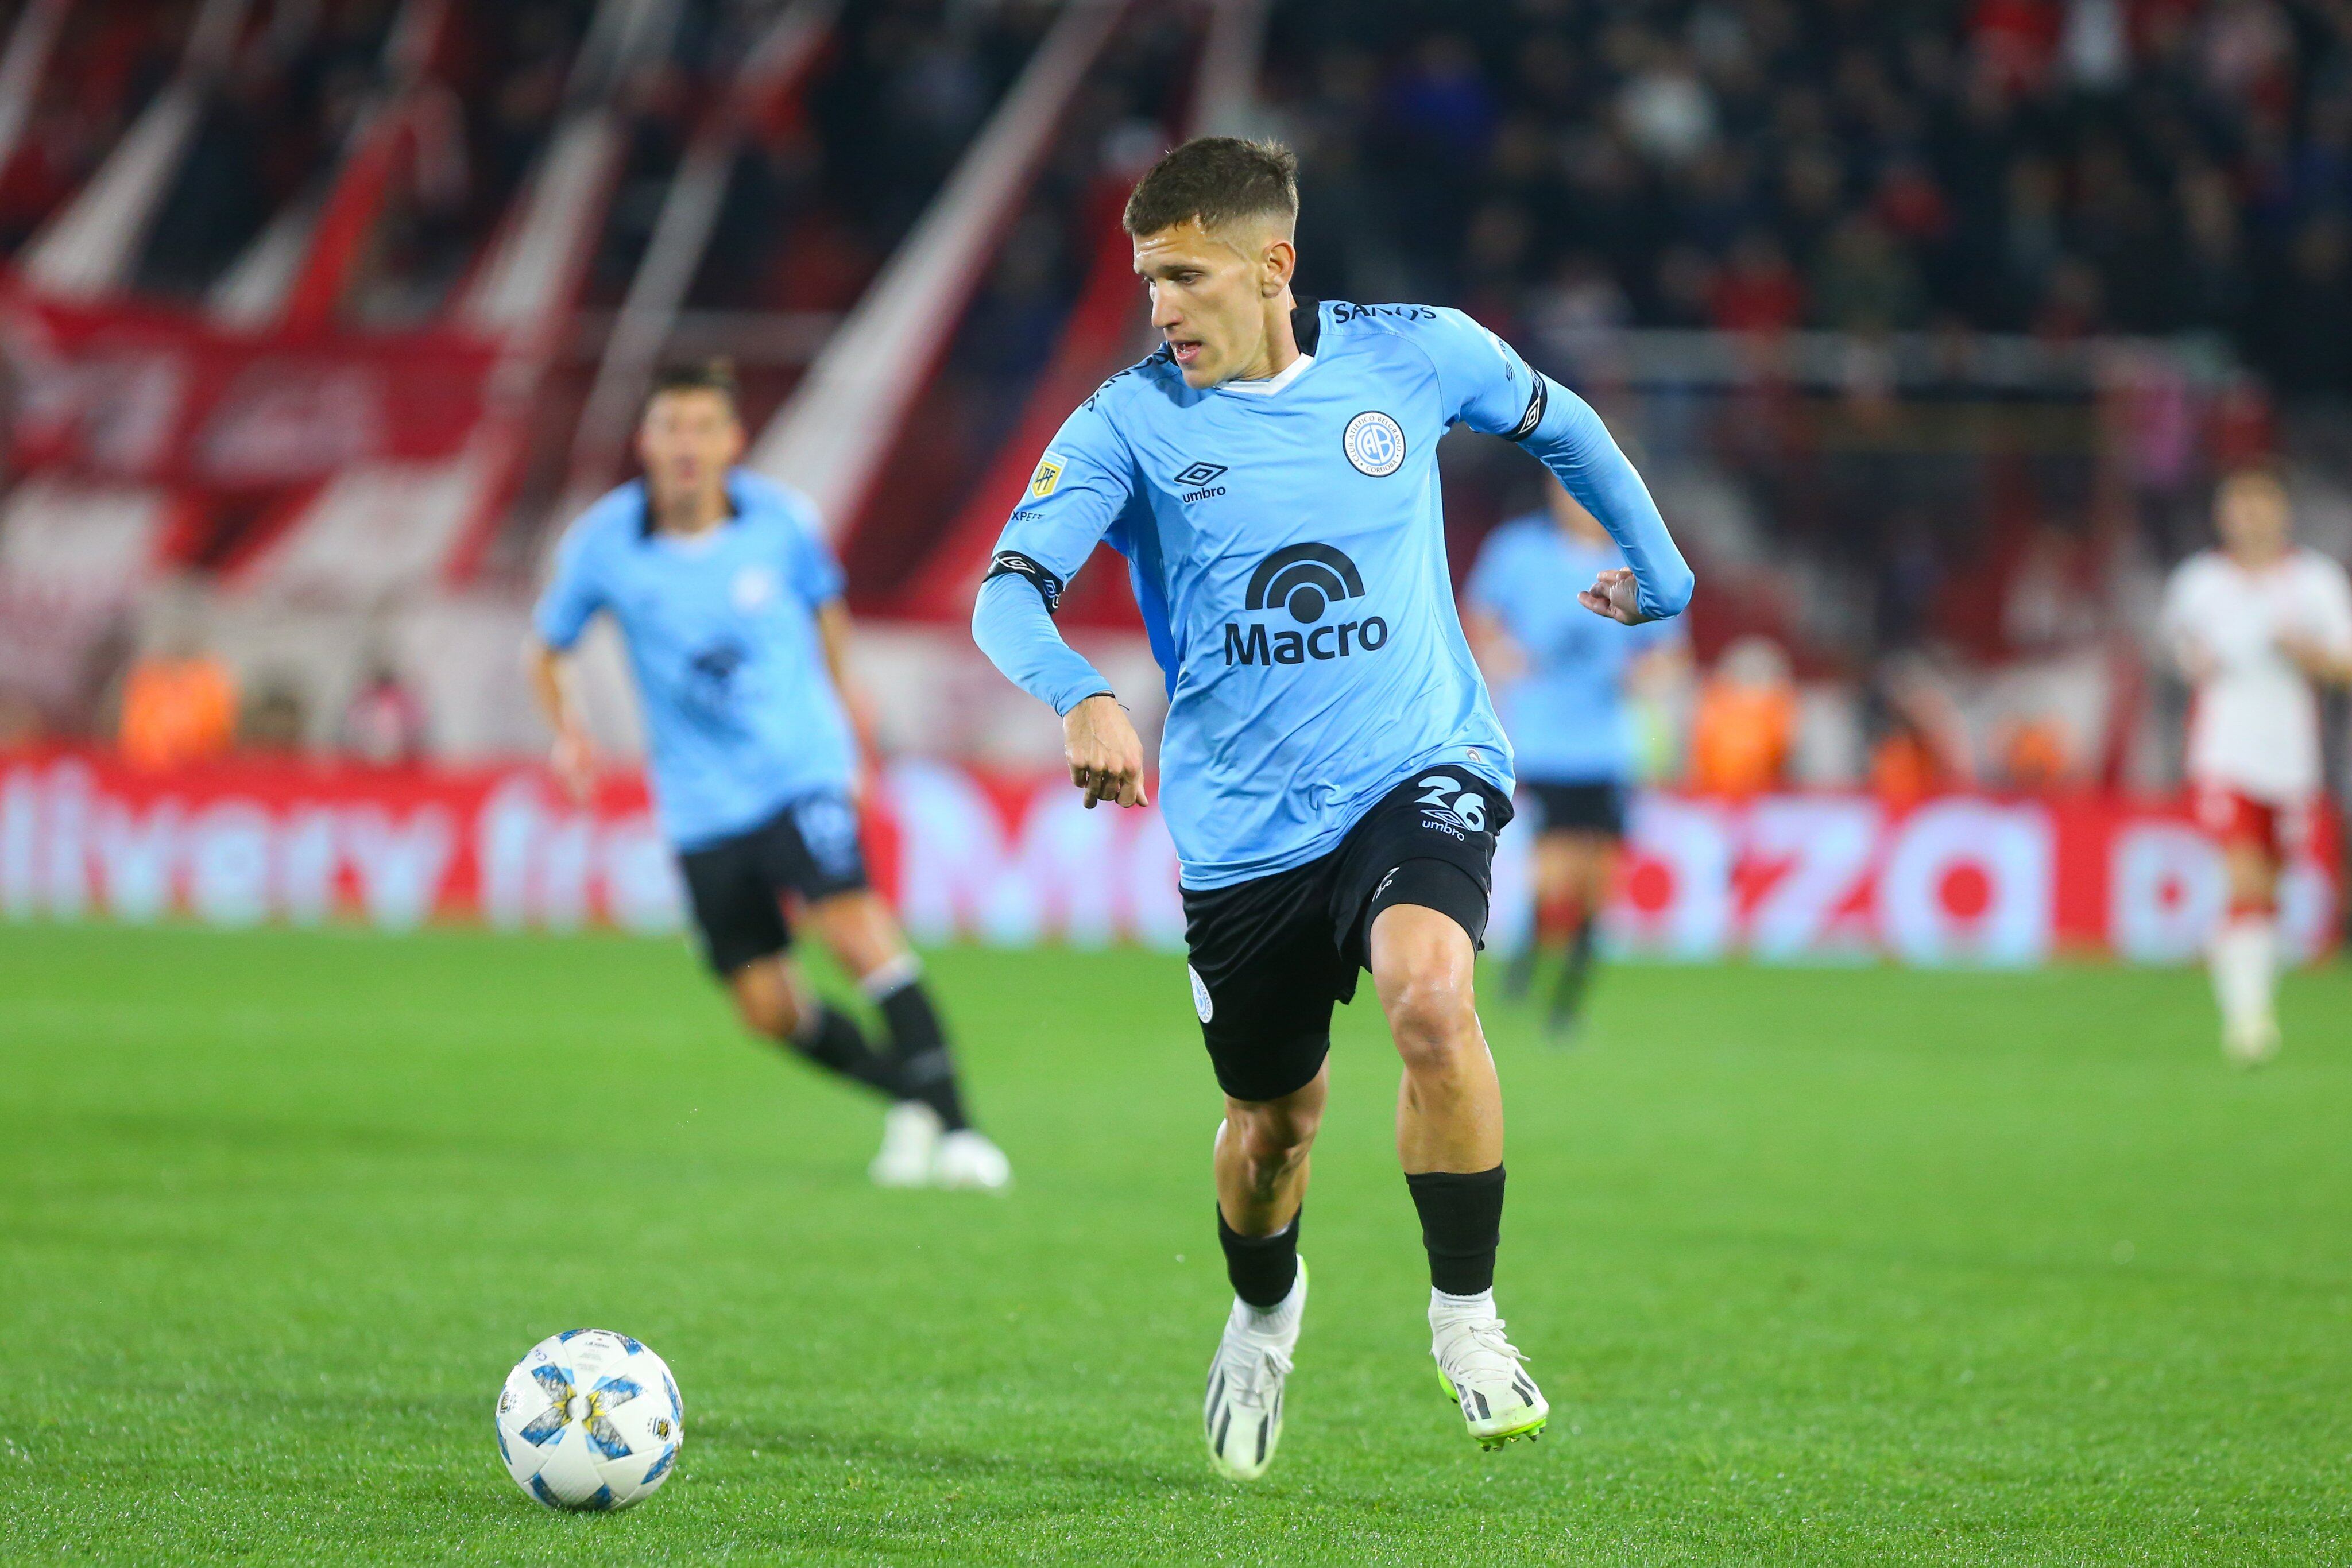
point(131, 393)
point(1957, 880)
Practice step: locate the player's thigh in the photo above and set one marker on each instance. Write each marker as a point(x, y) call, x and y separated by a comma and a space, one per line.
point(815, 852)
point(1592, 861)
point(731, 899)
point(1265, 973)
point(2252, 868)
point(770, 995)
point(858, 929)
point(1424, 963)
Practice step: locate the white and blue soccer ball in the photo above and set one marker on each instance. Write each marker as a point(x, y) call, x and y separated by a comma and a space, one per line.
point(590, 1419)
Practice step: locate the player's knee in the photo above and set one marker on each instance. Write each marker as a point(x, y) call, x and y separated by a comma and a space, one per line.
point(766, 1003)
point(1278, 1137)
point(1434, 1018)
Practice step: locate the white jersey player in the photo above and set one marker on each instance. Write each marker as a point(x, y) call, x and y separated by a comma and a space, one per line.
point(2256, 626)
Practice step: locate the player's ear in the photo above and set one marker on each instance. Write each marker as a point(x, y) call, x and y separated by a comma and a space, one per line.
point(1277, 262)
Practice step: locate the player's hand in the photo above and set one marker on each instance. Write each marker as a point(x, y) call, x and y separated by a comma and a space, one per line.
point(2314, 658)
point(1106, 754)
point(574, 761)
point(1615, 594)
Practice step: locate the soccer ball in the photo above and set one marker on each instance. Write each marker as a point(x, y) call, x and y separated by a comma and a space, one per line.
point(590, 1419)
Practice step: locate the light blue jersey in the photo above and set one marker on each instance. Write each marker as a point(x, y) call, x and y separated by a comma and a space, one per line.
point(1287, 547)
point(1566, 716)
point(740, 707)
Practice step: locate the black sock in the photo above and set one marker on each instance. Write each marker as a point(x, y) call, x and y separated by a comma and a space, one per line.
point(1568, 999)
point(1461, 1225)
point(1262, 1268)
point(830, 1037)
point(921, 1047)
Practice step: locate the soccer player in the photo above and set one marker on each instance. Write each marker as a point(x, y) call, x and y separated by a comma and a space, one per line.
point(2255, 625)
point(737, 638)
point(1334, 774)
point(1561, 677)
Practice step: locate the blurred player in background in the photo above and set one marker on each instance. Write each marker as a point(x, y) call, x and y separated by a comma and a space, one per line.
point(731, 608)
point(1334, 773)
point(1561, 676)
point(2255, 625)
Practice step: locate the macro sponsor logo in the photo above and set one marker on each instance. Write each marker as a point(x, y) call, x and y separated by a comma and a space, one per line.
point(1305, 580)
point(1201, 478)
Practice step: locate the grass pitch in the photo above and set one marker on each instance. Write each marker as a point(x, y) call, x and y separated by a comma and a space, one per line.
point(1816, 1265)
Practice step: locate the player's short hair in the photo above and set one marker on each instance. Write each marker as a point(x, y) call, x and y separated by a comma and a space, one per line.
point(1216, 179)
point(700, 375)
point(2254, 470)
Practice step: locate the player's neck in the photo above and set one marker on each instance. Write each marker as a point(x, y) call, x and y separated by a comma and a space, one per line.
point(1281, 350)
point(2261, 561)
point(691, 515)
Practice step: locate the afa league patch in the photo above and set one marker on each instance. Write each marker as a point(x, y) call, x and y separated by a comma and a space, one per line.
point(1375, 444)
point(1201, 1002)
point(1048, 475)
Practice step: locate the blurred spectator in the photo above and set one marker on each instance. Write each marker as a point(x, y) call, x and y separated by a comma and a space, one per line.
point(384, 722)
point(2063, 166)
point(1758, 291)
point(20, 720)
point(1745, 719)
point(276, 719)
point(179, 706)
point(1922, 745)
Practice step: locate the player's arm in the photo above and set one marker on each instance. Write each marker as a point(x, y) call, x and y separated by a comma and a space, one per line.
point(2322, 646)
point(833, 629)
point(563, 613)
point(816, 576)
point(1490, 388)
point(549, 672)
point(2191, 656)
point(1080, 487)
point(1491, 643)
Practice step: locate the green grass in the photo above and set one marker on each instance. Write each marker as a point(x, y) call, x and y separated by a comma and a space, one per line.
point(1816, 1265)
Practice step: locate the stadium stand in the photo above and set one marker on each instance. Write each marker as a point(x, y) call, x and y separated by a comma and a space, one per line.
point(1929, 322)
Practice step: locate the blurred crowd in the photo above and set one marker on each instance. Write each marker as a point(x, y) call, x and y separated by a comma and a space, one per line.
point(2062, 167)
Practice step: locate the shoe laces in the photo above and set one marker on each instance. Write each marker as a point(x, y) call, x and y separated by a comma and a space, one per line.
point(1258, 1375)
point(1483, 1355)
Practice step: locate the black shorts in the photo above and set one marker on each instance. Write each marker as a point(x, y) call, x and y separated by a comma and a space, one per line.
point(736, 886)
point(1271, 956)
point(1598, 807)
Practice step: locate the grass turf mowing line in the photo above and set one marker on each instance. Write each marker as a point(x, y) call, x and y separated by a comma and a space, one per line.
point(1816, 1265)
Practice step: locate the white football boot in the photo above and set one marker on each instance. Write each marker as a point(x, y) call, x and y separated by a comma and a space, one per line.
point(1241, 1415)
point(2251, 1041)
point(967, 1161)
point(1481, 1371)
point(910, 1143)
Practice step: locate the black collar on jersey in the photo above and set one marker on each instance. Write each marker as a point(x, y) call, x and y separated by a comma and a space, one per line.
point(646, 528)
point(1306, 324)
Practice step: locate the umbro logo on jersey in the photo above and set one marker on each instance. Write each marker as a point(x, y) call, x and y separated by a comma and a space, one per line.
point(1303, 581)
point(1200, 480)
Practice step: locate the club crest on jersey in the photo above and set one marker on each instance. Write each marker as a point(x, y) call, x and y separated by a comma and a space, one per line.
point(1303, 581)
point(1375, 444)
point(1048, 475)
point(754, 589)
